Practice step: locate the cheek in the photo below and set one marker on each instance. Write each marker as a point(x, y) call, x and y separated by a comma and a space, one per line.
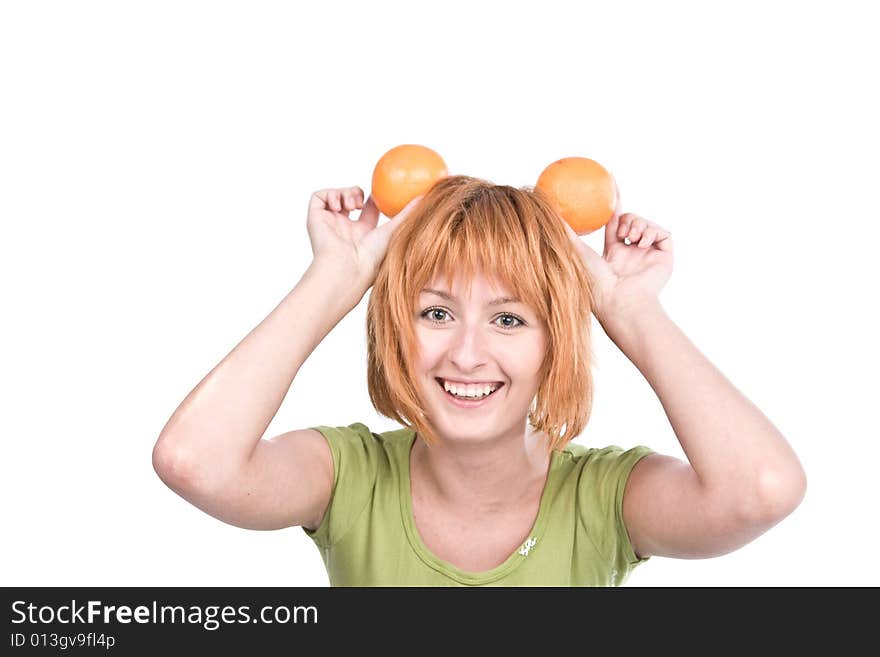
point(429, 347)
point(518, 356)
point(524, 351)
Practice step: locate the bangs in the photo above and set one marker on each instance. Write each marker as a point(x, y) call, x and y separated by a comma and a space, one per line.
point(462, 228)
point(484, 234)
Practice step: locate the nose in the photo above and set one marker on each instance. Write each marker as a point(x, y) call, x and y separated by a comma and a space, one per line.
point(468, 349)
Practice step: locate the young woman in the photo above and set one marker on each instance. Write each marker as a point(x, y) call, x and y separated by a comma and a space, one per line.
point(479, 346)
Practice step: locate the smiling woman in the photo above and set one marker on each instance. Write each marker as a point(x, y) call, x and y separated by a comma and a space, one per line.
point(468, 227)
point(479, 345)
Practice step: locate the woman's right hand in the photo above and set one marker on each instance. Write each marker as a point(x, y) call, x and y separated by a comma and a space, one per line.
point(359, 244)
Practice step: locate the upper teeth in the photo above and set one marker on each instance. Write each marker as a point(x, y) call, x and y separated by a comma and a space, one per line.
point(469, 390)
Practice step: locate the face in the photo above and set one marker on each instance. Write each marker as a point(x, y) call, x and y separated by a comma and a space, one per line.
point(482, 338)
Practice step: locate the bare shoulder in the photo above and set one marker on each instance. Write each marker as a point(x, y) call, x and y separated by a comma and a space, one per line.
point(309, 472)
point(287, 481)
point(658, 487)
point(669, 513)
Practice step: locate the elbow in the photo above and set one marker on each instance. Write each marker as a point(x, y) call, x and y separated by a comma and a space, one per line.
point(172, 465)
point(187, 470)
point(780, 492)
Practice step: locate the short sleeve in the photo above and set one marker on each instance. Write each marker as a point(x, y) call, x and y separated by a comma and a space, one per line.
point(600, 497)
point(356, 453)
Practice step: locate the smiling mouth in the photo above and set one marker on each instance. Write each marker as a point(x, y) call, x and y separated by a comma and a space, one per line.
point(468, 399)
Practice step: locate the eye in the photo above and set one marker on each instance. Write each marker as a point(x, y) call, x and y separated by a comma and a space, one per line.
point(514, 318)
point(428, 314)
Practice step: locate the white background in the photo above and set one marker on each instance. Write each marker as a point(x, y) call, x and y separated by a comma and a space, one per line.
point(156, 161)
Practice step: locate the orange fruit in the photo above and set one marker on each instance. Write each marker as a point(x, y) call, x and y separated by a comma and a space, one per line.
point(582, 192)
point(403, 173)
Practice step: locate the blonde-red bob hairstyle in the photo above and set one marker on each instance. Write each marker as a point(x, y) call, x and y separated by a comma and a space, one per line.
point(465, 225)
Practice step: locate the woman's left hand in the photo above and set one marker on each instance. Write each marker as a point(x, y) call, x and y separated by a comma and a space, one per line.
point(626, 276)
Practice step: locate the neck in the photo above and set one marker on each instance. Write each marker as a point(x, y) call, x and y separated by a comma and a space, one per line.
point(488, 478)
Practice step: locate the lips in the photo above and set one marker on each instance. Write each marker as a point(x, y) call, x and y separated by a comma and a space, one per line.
point(497, 384)
point(464, 402)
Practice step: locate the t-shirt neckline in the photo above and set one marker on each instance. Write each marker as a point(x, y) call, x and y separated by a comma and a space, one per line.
point(450, 570)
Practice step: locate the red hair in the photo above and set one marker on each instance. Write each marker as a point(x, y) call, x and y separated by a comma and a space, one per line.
point(467, 225)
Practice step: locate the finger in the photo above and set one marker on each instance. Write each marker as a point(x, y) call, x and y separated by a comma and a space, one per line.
point(350, 199)
point(613, 225)
point(636, 229)
point(370, 214)
point(409, 207)
point(353, 198)
point(391, 226)
point(664, 241)
point(318, 200)
point(334, 202)
point(625, 225)
point(594, 261)
point(336, 199)
point(648, 237)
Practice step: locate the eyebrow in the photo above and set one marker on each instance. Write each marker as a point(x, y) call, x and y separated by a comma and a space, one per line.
point(494, 302)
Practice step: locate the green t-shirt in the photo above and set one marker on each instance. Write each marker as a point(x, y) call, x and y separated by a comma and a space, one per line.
point(368, 536)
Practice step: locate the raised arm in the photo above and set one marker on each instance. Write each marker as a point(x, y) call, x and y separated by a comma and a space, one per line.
point(211, 450)
point(741, 477)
